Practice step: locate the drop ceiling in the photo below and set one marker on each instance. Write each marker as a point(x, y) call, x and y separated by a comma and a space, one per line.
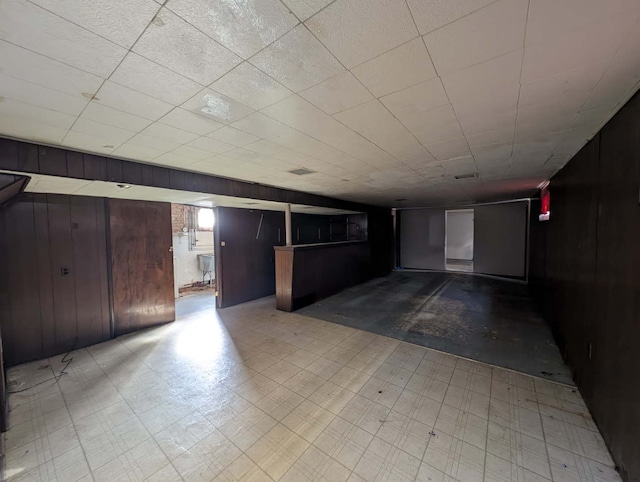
point(382, 100)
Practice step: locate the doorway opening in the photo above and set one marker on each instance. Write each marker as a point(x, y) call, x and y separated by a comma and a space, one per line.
point(458, 250)
point(193, 253)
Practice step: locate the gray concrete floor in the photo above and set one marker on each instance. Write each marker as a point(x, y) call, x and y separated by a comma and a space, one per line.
point(487, 320)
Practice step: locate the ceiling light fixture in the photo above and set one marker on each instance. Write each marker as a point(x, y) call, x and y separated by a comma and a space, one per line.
point(467, 176)
point(301, 172)
point(124, 186)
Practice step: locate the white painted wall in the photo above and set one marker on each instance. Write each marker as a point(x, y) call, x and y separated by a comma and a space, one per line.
point(459, 232)
point(185, 262)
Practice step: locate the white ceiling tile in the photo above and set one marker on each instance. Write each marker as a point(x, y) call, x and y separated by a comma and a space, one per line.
point(565, 83)
point(489, 32)
point(358, 30)
point(25, 113)
point(432, 14)
point(251, 86)
point(97, 112)
point(303, 9)
point(210, 146)
point(213, 105)
point(549, 19)
point(410, 103)
point(243, 27)
point(551, 116)
point(460, 167)
point(247, 155)
point(453, 149)
point(481, 122)
point(581, 62)
point(120, 21)
point(492, 153)
point(594, 119)
point(113, 136)
point(87, 142)
point(173, 160)
point(573, 141)
point(277, 151)
point(261, 125)
point(404, 66)
point(136, 152)
point(155, 143)
point(191, 152)
point(179, 46)
point(337, 93)
point(300, 142)
point(492, 85)
point(22, 128)
point(297, 60)
point(299, 114)
point(188, 121)
point(28, 93)
point(435, 125)
point(169, 133)
point(616, 86)
point(576, 48)
point(233, 136)
point(27, 25)
point(26, 65)
point(535, 141)
point(122, 98)
point(375, 123)
point(498, 136)
point(213, 165)
point(135, 72)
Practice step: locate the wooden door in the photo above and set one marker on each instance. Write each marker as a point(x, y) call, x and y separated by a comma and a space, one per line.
point(141, 264)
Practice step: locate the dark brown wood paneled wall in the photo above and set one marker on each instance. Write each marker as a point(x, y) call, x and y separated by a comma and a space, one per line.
point(584, 267)
point(245, 265)
point(33, 158)
point(307, 274)
point(53, 288)
point(141, 264)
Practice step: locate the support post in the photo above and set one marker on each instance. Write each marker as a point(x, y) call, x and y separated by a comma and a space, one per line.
point(287, 224)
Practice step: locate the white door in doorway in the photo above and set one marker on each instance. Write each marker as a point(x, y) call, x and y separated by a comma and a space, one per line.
point(459, 240)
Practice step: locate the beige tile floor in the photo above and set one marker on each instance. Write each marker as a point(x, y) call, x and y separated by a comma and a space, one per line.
point(253, 394)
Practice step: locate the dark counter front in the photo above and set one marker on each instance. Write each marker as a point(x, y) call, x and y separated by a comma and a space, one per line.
point(310, 272)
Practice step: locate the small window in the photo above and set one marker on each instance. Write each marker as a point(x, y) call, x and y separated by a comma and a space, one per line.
point(205, 219)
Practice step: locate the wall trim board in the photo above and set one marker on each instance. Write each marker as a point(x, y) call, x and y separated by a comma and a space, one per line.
point(21, 156)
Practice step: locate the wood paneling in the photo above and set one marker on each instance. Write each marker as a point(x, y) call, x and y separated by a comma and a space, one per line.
point(584, 269)
point(284, 278)
point(32, 158)
point(27, 157)
point(4, 406)
point(42, 310)
point(141, 264)
point(245, 265)
point(310, 273)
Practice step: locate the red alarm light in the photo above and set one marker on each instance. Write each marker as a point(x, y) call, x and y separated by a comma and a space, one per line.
point(545, 204)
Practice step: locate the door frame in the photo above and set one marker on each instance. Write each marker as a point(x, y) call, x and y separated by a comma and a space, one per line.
point(446, 229)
